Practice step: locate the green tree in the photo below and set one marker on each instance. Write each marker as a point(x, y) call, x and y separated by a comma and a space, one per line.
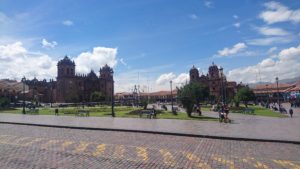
point(236, 101)
point(4, 102)
point(144, 103)
point(97, 97)
point(245, 94)
point(192, 94)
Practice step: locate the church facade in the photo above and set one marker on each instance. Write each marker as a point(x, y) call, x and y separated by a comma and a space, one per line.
point(71, 87)
point(216, 81)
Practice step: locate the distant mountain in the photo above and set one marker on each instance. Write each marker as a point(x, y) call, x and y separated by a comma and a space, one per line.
point(288, 81)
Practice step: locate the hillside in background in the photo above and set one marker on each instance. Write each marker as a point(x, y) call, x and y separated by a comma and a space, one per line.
point(289, 81)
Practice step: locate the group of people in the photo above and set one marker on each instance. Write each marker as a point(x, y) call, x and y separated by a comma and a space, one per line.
point(295, 104)
point(280, 108)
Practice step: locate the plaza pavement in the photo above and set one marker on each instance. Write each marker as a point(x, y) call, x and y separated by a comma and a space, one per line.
point(58, 148)
point(249, 127)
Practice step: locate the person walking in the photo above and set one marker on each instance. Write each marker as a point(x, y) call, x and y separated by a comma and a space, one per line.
point(291, 112)
point(199, 110)
point(56, 111)
point(226, 110)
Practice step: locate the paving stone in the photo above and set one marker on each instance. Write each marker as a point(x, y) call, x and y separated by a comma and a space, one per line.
point(243, 126)
point(44, 147)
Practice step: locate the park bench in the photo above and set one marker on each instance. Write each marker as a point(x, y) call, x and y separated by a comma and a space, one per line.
point(164, 107)
point(33, 111)
point(283, 110)
point(85, 113)
point(214, 108)
point(248, 111)
point(150, 113)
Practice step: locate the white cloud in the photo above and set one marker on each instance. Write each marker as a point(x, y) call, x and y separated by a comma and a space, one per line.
point(237, 25)
point(267, 62)
point(68, 22)
point(276, 12)
point(270, 41)
point(123, 62)
point(230, 51)
point(292, 53)
point(181, 79)
point(286, 64)
point(208, 3)
point(193, 16)
point(271, 50)
point(147, 76)
point(163, 81)
point(272, 31)
point(165, 78)
point(235, 17)
point(16, 61)
point(12, 50)
point(47, 44)
point(95, 59)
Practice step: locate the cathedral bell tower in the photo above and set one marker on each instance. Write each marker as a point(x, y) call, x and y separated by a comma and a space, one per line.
point(65, 68)
point(194, 74)
point(107, 81)
point(106, 72)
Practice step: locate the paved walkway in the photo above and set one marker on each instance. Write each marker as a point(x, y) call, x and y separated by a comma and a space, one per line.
point(244, 126)
point(57, 148)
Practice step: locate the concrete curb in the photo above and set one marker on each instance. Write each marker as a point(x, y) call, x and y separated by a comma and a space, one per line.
point(156, 132)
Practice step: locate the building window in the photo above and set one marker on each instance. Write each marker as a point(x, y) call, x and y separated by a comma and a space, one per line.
point(67, 71)
point(213, 88)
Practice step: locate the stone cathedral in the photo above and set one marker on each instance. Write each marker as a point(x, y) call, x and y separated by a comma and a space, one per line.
point(216, 82)
point(71, 87)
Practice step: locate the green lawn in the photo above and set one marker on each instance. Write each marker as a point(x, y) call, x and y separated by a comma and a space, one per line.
point(121, 111)
point(258, 110)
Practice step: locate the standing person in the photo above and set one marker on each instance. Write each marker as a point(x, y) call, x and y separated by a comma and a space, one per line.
point(56, 111)
point(199, 110)
point(221, 116)
point(291, 112)
point(226, 110)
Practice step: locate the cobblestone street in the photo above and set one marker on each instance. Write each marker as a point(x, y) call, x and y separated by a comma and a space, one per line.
point(42, 147)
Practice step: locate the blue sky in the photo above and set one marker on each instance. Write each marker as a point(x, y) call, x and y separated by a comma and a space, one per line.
point(150, 42)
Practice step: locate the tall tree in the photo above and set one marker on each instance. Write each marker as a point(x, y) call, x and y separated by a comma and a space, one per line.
point(245, 94)
point(191, 94)
point(97, 97)
point(4, 102)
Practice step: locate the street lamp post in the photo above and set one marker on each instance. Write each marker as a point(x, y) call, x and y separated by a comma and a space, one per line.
point(51, 95)
point(267, 91)
point(222, 85)
point(83, 95)
point(112, 100)
point(33, 93)
point(277, 79)
point(112, 95)
point(23, 80)
point(172, 106)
